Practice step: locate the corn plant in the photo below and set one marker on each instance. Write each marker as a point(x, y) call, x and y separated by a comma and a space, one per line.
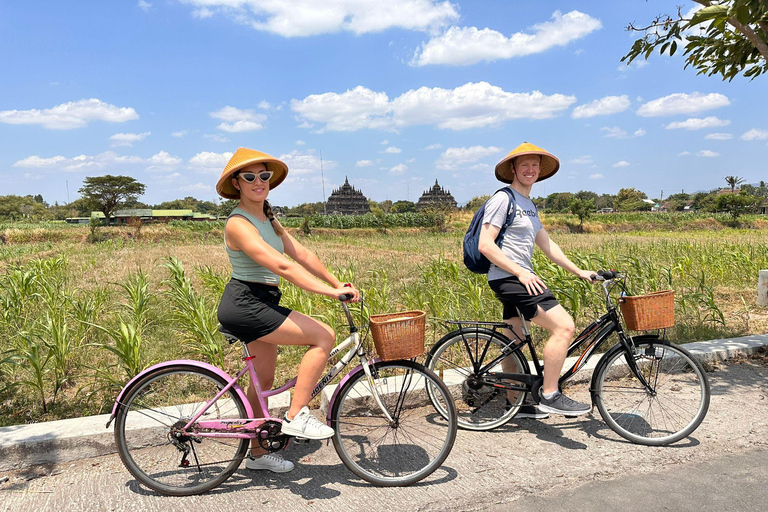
point(138, 299)
point(195, 319)
point(125, 343)
point(31, 362)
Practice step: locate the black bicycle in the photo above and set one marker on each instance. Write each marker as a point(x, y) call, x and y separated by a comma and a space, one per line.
point(647, 389)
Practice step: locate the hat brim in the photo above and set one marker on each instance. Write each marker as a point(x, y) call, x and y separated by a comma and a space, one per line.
point(549, 166)
point(225, 188)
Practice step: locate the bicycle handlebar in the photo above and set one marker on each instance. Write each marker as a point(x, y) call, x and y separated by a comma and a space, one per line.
point(345, 297)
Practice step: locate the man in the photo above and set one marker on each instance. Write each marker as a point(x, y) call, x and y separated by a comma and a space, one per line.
point(512, 277)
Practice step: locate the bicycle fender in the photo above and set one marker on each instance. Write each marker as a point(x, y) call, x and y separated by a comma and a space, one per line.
point(616, 348)
point(187, 362)
point(357, 369)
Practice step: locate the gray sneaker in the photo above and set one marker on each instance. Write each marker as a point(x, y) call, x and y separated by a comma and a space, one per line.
point(561, 404)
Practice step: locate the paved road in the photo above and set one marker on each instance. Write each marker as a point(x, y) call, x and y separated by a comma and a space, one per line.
point(527, 463)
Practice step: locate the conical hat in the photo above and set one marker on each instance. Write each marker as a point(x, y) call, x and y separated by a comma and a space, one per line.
point(244, 157)
point(549, 162)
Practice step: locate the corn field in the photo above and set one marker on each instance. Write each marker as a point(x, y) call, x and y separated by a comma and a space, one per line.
point(77, 324)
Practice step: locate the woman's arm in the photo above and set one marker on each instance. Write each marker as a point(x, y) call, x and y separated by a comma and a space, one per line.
point(241, 235)
point(308, 260)
point(552, 251)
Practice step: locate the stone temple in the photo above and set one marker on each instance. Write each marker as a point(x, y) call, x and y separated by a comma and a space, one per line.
point(436, 197)
point(345, 200)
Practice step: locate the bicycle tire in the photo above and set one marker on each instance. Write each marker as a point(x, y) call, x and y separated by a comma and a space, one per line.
point(167, 397)
point(675, 408)
point(477, 408)
point(390, 455)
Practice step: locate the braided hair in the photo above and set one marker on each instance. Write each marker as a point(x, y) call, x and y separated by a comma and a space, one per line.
point(271, 216)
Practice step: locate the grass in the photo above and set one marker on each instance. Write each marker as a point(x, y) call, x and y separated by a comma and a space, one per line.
point(78, 319)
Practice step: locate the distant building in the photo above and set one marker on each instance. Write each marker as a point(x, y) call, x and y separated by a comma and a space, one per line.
point(145, 215)
point(346, 200)
point(436, 197)
point(763, 208)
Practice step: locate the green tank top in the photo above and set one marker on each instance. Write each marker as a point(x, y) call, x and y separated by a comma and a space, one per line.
point(243, 267)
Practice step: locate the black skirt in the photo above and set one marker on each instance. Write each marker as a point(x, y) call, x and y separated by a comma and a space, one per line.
point(251, 310)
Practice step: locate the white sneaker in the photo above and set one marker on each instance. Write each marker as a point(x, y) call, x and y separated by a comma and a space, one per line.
point(271, 461)
point(306, 425)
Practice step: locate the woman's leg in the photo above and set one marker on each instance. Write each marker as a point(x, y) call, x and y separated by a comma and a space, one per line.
point(299, 329)
point(265, 357)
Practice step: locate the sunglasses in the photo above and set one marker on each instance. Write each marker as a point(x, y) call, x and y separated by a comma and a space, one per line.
point(250, 177)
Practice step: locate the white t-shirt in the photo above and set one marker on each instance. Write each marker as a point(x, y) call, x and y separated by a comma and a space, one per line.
point(520, 237)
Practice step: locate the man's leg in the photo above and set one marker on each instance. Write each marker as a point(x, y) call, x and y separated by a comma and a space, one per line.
point(528, 409)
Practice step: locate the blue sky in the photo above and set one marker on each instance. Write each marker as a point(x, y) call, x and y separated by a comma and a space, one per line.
point(393, 94)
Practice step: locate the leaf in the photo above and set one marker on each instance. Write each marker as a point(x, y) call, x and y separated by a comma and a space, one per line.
point(673, 48)
point(708, 13)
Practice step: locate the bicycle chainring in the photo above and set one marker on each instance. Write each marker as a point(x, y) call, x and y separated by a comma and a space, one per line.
point(270, 436)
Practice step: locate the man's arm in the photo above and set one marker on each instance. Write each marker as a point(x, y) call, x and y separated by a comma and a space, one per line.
point(552, 251)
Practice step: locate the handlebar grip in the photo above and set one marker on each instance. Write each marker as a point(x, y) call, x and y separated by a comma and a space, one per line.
point(607, 274)
point(345, 297)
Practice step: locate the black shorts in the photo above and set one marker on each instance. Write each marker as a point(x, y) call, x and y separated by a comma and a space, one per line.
point(513, 295)
point(251, 310)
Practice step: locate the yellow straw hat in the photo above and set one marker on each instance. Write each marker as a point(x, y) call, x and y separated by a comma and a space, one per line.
point(244, 157)
point(549, 162)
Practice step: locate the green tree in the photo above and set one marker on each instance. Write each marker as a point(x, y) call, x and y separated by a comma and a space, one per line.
point(630, 200)
point(403, 206)
point(582, 208)
point(737, 204)
point(107, 193)
point(733, 182)
point(725, 37)
point(558, 202)
point(475, 203)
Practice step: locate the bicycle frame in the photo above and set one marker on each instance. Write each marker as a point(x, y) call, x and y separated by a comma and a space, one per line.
point(595, 334)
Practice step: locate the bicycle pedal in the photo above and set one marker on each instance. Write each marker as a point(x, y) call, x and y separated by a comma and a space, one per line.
point(300, 440)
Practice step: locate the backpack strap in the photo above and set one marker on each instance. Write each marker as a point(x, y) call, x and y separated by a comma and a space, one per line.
point(510, 215)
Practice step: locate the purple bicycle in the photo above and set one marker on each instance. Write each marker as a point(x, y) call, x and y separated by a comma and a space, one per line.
point(183, 427)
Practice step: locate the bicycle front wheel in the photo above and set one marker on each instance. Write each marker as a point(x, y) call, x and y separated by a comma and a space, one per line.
point(669, 409)
point(458, 359)
point(152, 443)
point(408, 448)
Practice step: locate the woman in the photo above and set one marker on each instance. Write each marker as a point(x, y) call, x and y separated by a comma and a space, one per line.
point(257, 246)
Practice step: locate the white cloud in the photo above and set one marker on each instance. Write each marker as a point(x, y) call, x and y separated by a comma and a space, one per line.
point(454, 158)
point(639, 133)
point(461, 46)
point(384, 142)
point(622, 163)
point(127, 139)
point(264, 105)
point(635, 64)
point(302, 18)
point(602, 107)
point(144, 5)
point(684, 153)
point(585, 159)
point(695, 123)
point(472, 105)
point(163, 159)
point(67, 116)
point(209, 161)
point(755, 134)
point(197, 187)
point(596, 176)
point(433, 146)
point(707, 153)
point(305, 163)
point(215, 137)
point(363, 163)
point(237, 120)
point(718, 136)
point(301, 143)
point(682, 103)
point(180, 133)
point(398, 169)
point(615, 132)
point(392, 150)
point(36, 161)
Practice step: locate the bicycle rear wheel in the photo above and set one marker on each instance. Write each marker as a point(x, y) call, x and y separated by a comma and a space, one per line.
point(148, 419)
point(456, 359)
point(403, 451)
point(674, 406)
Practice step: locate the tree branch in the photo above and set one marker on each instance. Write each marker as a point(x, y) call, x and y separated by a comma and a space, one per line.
point(761, 46)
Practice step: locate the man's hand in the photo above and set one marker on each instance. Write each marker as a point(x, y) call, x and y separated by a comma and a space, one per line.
point(587, 275)
point(532, 283)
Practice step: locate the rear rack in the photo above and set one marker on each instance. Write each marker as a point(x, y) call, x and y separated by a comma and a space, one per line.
point(495, 325)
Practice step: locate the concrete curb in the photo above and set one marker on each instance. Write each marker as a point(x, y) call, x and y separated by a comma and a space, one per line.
point(81, 438)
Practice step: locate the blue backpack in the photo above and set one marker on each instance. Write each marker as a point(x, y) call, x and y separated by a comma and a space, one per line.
point(473, 258)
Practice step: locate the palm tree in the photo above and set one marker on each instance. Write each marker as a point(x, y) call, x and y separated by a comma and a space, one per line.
point(733, 181)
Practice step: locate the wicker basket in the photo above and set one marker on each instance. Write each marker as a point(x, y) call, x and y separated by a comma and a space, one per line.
point(399, 335)
point(646, 312)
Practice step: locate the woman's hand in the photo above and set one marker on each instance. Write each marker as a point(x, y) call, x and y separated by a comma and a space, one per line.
point(348, 288)
point(532, 283)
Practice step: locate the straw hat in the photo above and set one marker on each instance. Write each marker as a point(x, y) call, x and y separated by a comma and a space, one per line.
point(244, 157)
point(549, 162)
